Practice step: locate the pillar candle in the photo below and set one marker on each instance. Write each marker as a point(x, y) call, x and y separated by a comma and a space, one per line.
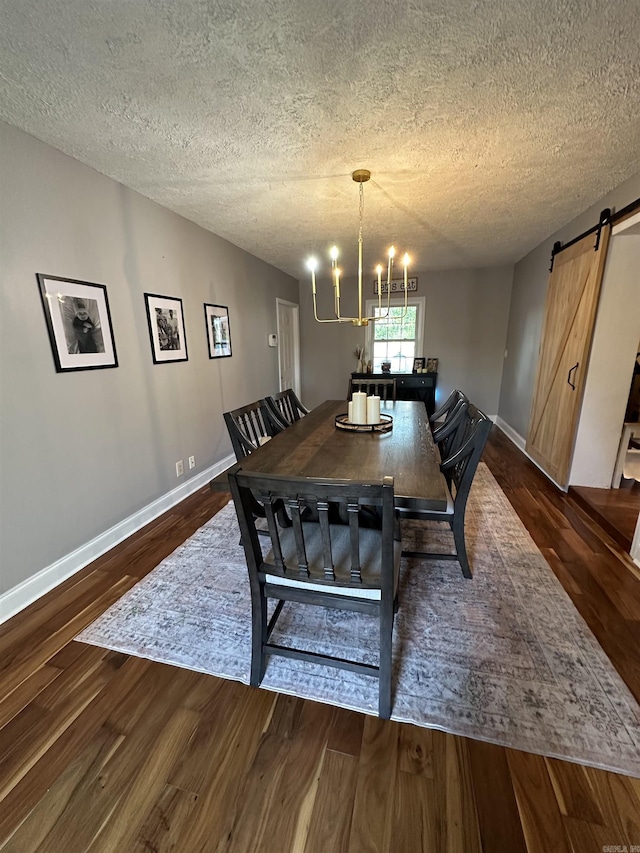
point(373, 410)
point(350, 412)
point(359, 410)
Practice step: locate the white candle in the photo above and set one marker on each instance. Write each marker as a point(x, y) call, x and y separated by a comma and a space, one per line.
point(350, 412)
point(373, 410)
point(359, 411)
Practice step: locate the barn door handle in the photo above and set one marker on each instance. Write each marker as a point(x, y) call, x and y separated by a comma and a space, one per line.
point(575, 367)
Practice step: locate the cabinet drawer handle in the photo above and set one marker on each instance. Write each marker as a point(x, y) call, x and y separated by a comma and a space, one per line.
point(575, 367)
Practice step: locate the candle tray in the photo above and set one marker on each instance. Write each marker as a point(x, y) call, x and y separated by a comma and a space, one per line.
point(385, 425)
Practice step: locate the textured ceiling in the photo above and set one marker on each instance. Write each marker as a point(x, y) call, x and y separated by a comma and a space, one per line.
point(486, 124)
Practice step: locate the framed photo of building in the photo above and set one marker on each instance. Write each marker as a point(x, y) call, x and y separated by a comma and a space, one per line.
point(166, 328)
point(218, 331)
point(79, 323)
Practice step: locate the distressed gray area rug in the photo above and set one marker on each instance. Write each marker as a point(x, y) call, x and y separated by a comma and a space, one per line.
point(504, 657)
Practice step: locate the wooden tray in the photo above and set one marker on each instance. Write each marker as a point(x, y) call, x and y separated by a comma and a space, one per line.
point(385, 425)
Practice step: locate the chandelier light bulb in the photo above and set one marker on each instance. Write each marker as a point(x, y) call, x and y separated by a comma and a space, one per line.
point(406, 259)
point(312, 264)
point(333, 253)
point(392, 252)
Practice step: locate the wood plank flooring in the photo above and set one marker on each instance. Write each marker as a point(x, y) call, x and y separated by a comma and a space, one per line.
point(615, 510)
point(100, 751)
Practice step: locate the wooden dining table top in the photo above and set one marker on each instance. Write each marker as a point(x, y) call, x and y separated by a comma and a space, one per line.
point(315, 447)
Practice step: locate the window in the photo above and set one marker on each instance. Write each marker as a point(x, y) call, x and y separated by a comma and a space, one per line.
point(398, 338)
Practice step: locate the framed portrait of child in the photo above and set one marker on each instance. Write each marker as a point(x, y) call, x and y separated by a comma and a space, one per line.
point(79, 323)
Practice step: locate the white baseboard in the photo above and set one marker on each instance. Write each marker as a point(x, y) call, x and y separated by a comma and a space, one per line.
point(510, 432)
point(521, 444)
point(25, 593)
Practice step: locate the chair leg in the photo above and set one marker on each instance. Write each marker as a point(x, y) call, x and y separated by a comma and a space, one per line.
point(384, 687)
point(457, 526)
point(258, 635)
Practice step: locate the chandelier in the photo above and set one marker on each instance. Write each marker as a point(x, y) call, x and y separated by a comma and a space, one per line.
point(360, 176)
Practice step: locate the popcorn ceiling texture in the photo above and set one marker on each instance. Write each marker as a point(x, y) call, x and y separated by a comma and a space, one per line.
point(486, 125)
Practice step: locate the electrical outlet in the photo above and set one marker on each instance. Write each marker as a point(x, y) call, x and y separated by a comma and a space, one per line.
point(179, 469)
point(192, 462)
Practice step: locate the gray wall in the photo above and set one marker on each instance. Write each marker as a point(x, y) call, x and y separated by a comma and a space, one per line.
point(465, 328)
point(79, 452)
point(527, 309)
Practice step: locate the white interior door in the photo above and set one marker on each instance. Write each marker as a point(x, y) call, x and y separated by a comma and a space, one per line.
point(288, 345)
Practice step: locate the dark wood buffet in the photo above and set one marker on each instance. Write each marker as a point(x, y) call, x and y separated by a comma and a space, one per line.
point(409, 386)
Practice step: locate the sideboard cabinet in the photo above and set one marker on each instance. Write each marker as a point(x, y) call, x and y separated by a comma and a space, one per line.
point(409, 386)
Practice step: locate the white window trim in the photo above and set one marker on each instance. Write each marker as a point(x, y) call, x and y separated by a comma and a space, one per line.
point(397, 302)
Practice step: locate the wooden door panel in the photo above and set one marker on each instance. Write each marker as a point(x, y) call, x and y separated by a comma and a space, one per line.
point(572, 298)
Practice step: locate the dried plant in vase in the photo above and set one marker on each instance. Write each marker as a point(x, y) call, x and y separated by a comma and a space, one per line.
point(359, 354)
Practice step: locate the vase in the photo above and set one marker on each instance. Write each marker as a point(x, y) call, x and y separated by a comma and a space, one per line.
point(359, 366)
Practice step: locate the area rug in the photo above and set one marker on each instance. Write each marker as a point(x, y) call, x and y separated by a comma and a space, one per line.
point(504, 657)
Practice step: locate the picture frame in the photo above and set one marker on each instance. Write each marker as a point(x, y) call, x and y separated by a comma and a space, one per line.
point(216, 318)
point(432, 365)
point(79, 323)
point(166, 328)
point(418, 364)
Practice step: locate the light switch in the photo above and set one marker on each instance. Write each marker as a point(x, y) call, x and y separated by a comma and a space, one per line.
point(273, 340)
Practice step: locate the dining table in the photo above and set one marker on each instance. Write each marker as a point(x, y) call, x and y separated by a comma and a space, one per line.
point(315, 447)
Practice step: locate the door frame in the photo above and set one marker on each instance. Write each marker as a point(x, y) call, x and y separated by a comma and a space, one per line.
point(296, 343)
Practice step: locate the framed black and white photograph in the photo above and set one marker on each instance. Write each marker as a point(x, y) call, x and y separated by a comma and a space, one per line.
point(218, 332)
point(166, 328)
point(418, 364)
point(79, 323)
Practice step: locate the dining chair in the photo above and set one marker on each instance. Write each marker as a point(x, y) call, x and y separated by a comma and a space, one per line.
point(286, 406)
point(447, 407)
point(346, 567)
point(383, 388)
point(459, 469)
point(449, 435)
point(249, 427)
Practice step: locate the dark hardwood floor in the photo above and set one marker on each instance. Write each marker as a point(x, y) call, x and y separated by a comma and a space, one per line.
point(100, 751)
point(616, 510)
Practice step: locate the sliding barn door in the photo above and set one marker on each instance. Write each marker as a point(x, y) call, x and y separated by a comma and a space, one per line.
point(572, 299)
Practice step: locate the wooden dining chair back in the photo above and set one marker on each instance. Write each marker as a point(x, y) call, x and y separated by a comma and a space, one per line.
point(451, 433)
point(286, 406)
point(383, 388)
point(249, 427)
point(459, 469)
point(441, 415)
point(317, 562)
